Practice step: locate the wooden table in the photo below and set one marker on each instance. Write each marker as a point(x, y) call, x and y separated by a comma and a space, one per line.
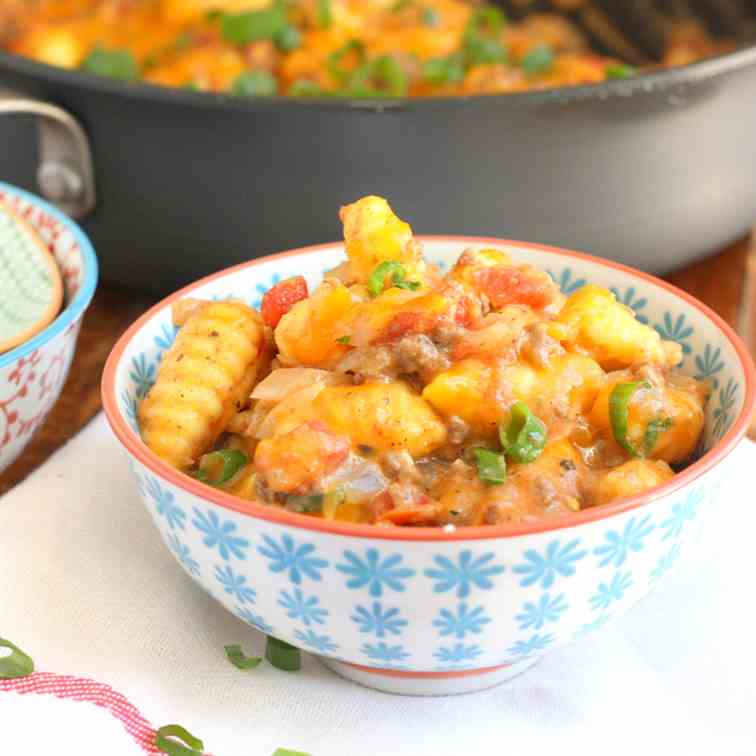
point(726, 282)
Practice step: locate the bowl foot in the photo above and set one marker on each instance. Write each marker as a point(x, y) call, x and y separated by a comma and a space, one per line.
point(405, 683)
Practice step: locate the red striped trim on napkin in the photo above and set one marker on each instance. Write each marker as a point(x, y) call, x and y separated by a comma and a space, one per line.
point(81, 689)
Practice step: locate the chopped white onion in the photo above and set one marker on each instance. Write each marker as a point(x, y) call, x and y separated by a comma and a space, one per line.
point(284, 381)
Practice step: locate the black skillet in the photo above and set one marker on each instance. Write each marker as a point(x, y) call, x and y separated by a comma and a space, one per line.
point(653, 171)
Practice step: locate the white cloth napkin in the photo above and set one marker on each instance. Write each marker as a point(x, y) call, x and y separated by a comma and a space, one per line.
point(88, 589)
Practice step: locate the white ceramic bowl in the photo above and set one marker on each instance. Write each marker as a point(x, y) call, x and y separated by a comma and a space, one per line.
point(423, 611)
point(32, 375)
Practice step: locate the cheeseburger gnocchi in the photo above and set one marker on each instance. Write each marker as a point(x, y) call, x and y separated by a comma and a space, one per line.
point(396, 395)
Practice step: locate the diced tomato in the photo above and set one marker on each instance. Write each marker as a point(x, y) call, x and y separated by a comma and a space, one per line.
point(281, 298)
point(423, 510)
point(406, 323)
point(506, 284)
point(464, 315)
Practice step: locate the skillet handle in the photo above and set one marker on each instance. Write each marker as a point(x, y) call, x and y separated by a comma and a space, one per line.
point(65, 175)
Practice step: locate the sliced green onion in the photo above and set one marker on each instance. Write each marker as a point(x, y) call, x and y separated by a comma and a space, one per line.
point(539, 59)
point(230, 462)
point(336, 58)
point(255, 84)
point(400, 5)
point(193, 84)
point(117, 64)
point(213, 15)
point(619, 406)
point(240, 660)
point(377, 280)
point(287, 752)
point(174, 740)
point(306, 504)
point(241, 28)
point(480, 50)
point(430, 17)
point(620, 71)
point(480, 39)
point(411, 285)
point(282, 655)
point(287, 39)
point(653, 430)
point(448, 70)
point(525, 435)
point(16, 664)
point(324, 14)
point(492, 466)
point(381, 77)
point(344, 339)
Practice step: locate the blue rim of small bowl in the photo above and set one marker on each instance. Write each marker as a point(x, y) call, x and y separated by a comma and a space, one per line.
point(80, 302)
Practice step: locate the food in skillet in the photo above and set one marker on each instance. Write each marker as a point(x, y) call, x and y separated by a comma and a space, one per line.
point(395, 395)
point(352, 48)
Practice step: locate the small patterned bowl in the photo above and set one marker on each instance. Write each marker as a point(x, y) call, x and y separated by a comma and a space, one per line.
point(33, 373)
point(423, 611)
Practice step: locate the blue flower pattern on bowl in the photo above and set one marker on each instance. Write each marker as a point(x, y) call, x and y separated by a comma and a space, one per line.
point(461, 621)
point(295, 560)
point(682, 513)
point(129, 402)
point(143, 374)
point(666, 562)
point(709, 364)
point(379, 621)
point(464, 574)
point(547, 609)
point(530, 646)
point(457, 653)
point(220, 534)
point(388, 656)
point(374, 573)
point(321, 644)
point(607, 593)
point(303, 608)
point(360, 605)
point(619, 545)
point(557, 560)
point(726, 402)
point(165, 339)
point(235, 584)
point(165, 503)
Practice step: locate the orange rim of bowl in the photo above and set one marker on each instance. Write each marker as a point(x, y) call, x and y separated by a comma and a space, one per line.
point(282, 516)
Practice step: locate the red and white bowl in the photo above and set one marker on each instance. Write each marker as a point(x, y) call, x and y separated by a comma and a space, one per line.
point(32, 375)
point(421, 610)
